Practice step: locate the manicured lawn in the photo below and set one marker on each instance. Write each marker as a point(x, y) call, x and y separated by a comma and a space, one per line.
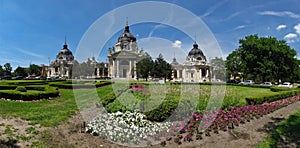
point(287, 131)
point(241, 92)
point(52, 112)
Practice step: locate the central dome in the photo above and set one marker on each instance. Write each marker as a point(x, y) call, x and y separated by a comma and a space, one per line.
point(196, 52)
point(126, 36)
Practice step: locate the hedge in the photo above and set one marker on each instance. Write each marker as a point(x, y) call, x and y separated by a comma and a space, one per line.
point(69, 85)
point(29, 95)
point(277, 89)
point(270, 98)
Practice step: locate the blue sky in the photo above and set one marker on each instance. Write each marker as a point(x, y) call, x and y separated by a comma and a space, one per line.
point(34, 31)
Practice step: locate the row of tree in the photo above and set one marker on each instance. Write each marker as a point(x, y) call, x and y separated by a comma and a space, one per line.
point(20, 71)
point(88, 68)
point(158, 68)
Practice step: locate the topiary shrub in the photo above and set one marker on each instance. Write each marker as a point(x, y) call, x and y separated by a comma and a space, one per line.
point(21, 89)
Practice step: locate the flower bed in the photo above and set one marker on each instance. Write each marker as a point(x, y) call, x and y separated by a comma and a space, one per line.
point(126, 127)
point(223, 120)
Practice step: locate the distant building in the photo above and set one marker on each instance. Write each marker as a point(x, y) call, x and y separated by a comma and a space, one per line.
point(123, 57)
point(62, 66)
point(195, 69)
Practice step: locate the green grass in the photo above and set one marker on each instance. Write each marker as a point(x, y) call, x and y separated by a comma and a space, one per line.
point(288, 131)
point(53, 112)
point(240, 93)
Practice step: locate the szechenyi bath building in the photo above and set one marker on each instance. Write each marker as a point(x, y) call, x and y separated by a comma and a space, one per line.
point(194, 69)
point(62, 66)
point(123, 58)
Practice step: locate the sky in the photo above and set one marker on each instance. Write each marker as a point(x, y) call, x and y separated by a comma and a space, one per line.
point(33, 32)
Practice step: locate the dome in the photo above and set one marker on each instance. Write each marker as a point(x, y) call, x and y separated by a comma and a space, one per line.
point(196, 52)
point(126, 36)
point(65, 50)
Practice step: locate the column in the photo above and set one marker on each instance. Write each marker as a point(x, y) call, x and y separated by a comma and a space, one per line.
point(207, 72)
point(130, 68)
point(118, 62)
point(134, 68)
point(113, 69)
point(200, 70)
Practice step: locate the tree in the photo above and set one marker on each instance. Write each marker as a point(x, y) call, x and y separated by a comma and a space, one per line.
point(264, 59)
point(2, 72)
point(76, 72)
point(161, 69)
point(234, 64)
point(7, 68)
point(144, 66)
point(35, 70)
point(218, 65)
point(20, 71)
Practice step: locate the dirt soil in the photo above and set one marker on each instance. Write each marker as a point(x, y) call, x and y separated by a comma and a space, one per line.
point(69, 134)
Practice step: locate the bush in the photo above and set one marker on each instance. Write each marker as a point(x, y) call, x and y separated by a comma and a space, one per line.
point(271, 98)
point(30, 95)
point(21, 89)
point(79, 84)
point(277, 89)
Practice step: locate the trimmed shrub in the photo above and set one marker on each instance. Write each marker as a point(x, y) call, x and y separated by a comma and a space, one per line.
point(277, 89)
point(79, 84)
point(30, 95)
point(21, 89)
point(271, 98)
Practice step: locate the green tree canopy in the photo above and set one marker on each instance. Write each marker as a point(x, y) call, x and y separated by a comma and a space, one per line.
point(35, 70)
point(2, 72)
point(264, 59)
point(161, 69)
point(7, 68)
point(218, 65)
point(144, 66)
point(20, 71)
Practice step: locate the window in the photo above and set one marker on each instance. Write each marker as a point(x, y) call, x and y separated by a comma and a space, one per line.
point(192, 75)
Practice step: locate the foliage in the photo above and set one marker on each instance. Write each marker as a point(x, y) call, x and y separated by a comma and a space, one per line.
point(87, 68)
point(7, 68)
point(2, 72)
point(144, 66)
point(218, 65)
point(161, 69)
point(29, 95)
point(212, 121)
point(20, 71)
point(270, 98)
point(21, 89)
point(79, 84)
point(263, 59)
point(277, 89)
point(35, 70)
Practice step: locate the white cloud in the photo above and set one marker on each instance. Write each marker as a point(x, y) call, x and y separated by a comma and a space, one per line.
point(213, 8)
point(279, 27)
point(297, 28)
point(291, 37)
point(177, 44)
point(31, 53)
point(282, 13)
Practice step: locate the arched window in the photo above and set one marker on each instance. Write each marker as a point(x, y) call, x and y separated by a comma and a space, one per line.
point(199, 58)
